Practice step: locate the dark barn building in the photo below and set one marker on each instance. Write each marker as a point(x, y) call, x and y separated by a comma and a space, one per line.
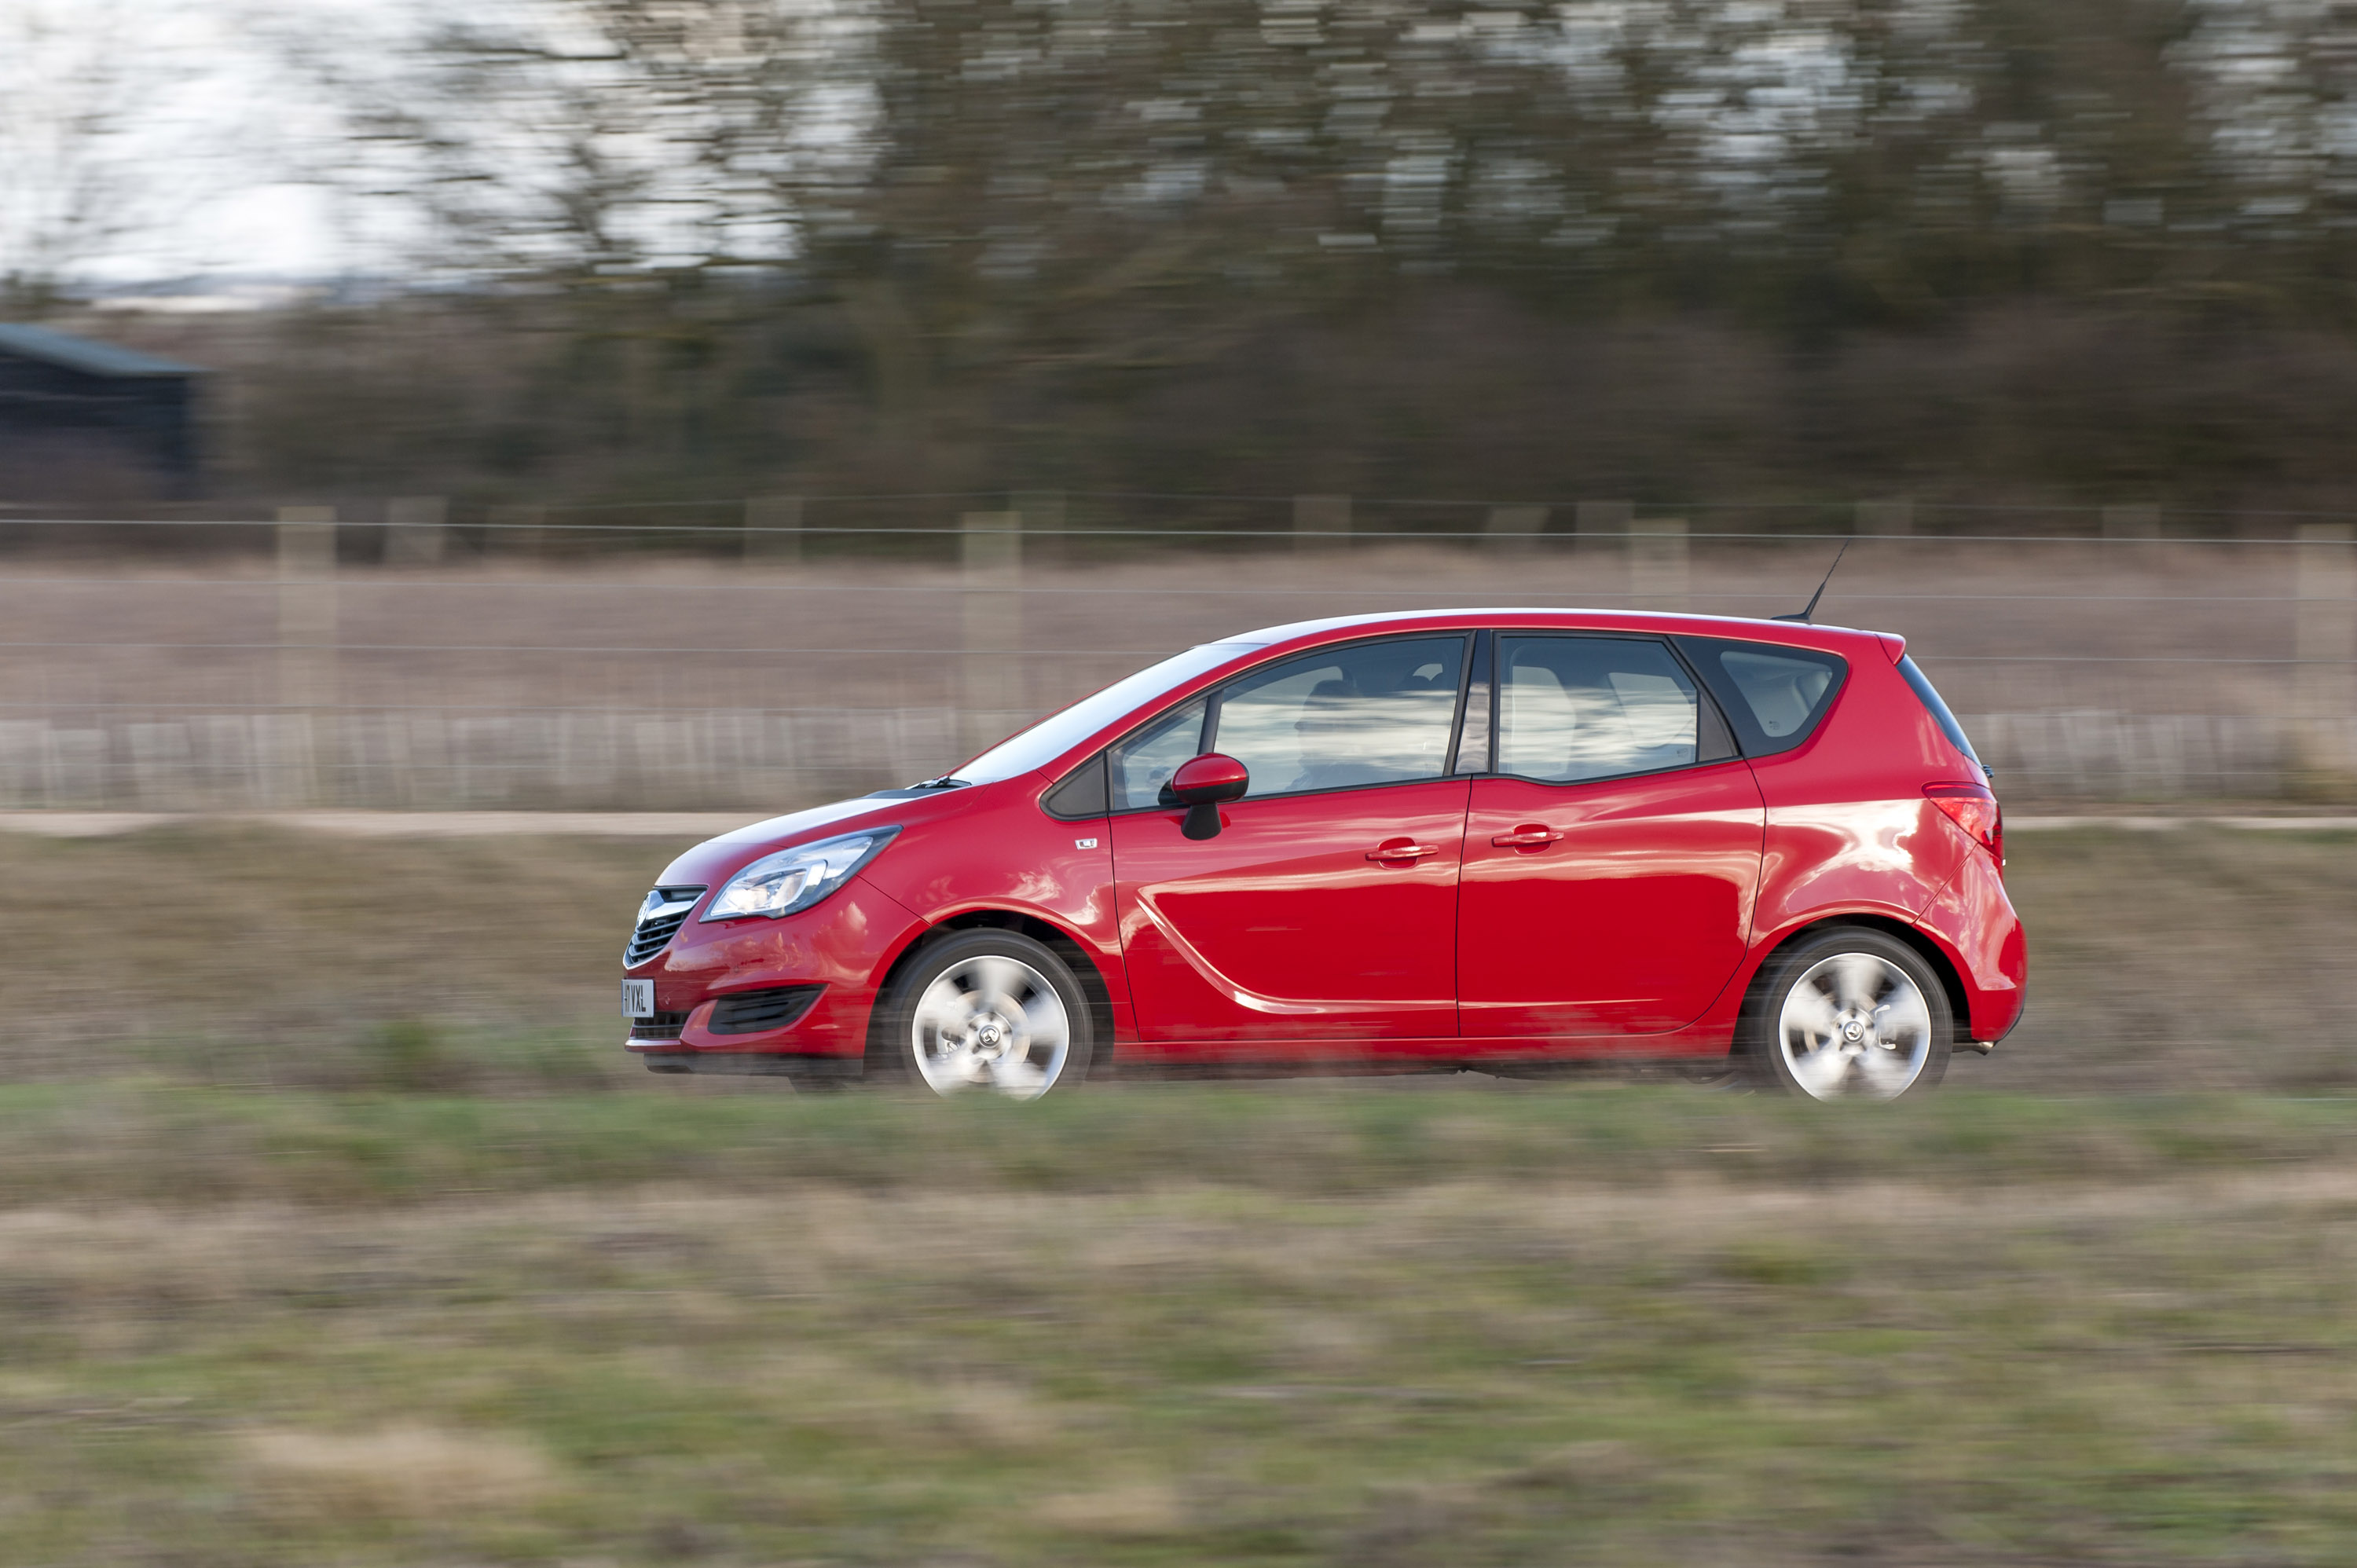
point(76, 414)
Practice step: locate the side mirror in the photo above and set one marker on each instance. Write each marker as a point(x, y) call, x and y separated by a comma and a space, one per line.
point(1201, 784)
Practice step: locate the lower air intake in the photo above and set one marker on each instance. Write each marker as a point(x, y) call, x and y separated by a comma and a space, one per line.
point(756, 1012)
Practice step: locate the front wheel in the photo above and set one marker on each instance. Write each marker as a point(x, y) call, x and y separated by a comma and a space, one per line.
point(1851, 1014)
point(991, 1012)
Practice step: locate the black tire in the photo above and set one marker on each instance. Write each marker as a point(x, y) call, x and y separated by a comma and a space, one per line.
point(1831, 1045)
point(900, 1053)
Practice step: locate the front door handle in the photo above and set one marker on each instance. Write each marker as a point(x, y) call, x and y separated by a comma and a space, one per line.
point(1401, 849)
point(1527, 835)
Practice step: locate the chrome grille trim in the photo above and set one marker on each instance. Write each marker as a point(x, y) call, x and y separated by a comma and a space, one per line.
point(660, 918)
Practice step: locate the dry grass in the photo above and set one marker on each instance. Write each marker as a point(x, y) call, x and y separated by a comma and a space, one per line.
point(241, 956)
point(408, 1473)
point(250, 957)
point(1897, 1368)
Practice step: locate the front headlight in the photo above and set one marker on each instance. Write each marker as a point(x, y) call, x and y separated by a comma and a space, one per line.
point(794, 879)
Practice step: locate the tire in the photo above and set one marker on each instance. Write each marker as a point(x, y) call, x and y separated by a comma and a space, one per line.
point(1851, 1014)
point(985, 1011)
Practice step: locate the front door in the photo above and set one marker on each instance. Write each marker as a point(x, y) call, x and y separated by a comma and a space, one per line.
point(1613, 853)
point(1325, 909)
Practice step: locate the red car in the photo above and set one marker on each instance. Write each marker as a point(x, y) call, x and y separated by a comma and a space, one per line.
point(1498, 840)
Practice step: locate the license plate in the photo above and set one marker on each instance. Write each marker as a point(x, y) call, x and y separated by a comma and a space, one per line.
point(638, 999)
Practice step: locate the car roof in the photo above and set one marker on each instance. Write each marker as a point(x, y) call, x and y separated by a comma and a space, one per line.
point(1799, 634)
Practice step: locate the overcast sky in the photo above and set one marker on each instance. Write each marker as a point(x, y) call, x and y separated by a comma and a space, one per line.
point(218, 136)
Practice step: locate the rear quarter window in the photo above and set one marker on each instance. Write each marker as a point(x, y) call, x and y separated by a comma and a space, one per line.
point(1929, 695)
point(1774, 695)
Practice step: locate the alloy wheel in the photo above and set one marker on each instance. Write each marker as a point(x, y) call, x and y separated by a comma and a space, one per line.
point(1855, 1026)
point(991, 1023)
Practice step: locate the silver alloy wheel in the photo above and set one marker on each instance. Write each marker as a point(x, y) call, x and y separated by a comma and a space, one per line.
point(991, 1022)
point(1855, 1026)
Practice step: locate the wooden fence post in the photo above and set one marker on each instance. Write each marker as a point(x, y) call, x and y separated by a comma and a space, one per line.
point(307, 650)
point(991, 559)
point(306, 607)
point(2325, 640)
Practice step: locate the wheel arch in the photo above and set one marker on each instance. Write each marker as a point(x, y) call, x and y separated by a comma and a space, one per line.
point(1927, 947)
point(1054, 938)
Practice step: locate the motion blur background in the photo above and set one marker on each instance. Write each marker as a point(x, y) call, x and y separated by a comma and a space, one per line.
point(711, 407)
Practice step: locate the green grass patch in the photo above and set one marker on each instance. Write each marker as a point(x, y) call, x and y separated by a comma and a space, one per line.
point(159, 1142)
point(1336, 1323)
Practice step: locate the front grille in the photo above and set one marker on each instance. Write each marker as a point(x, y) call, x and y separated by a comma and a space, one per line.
point(663, 914)
point(752, 1012)
point(662, 1026)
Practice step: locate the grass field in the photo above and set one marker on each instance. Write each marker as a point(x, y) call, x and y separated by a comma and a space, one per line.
point(242, 956)
point(1329, 1324)
point(335, 1228)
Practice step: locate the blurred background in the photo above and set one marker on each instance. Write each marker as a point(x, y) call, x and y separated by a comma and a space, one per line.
point(453, 456)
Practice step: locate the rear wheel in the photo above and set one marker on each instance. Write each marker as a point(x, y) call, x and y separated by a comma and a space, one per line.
point(1852, 1013)
point(985, 1012)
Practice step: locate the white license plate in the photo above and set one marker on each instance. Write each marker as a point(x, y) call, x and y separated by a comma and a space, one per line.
point(638, 999)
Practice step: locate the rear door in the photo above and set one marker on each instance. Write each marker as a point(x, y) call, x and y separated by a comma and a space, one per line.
point(1324, 912)
point(1612, 852)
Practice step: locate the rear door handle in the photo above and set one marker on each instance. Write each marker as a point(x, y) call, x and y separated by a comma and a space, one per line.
point(1401, 849)
point(1527, 835)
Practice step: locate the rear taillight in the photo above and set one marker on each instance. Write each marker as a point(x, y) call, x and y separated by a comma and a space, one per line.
point(1972, 808)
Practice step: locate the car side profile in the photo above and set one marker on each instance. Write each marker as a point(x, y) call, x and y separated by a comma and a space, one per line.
point(1507, 840)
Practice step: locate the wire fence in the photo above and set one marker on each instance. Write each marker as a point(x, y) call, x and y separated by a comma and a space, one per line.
point(305, 659)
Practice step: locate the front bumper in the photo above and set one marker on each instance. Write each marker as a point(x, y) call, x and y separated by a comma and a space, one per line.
point(838, 950)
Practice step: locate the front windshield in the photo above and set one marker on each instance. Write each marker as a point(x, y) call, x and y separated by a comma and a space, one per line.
point(1057, 734)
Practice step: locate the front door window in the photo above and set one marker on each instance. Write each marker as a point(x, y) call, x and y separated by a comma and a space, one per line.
point(1379, 713)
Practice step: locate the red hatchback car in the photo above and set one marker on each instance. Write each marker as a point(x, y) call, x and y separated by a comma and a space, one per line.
point(1497, 840)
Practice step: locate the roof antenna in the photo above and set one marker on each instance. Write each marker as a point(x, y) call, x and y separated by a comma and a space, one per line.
point(1803, 617)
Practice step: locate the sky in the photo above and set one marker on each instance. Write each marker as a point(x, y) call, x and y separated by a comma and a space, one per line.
point(215, 144)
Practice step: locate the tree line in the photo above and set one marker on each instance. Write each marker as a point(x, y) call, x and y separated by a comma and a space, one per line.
point(1956, 246)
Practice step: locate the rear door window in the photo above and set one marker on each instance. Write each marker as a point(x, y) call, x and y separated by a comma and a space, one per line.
point(1775, 695)
point(1575, 708)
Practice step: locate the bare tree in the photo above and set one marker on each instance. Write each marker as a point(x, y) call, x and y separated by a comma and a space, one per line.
point(69, 185)
point(587, 137)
